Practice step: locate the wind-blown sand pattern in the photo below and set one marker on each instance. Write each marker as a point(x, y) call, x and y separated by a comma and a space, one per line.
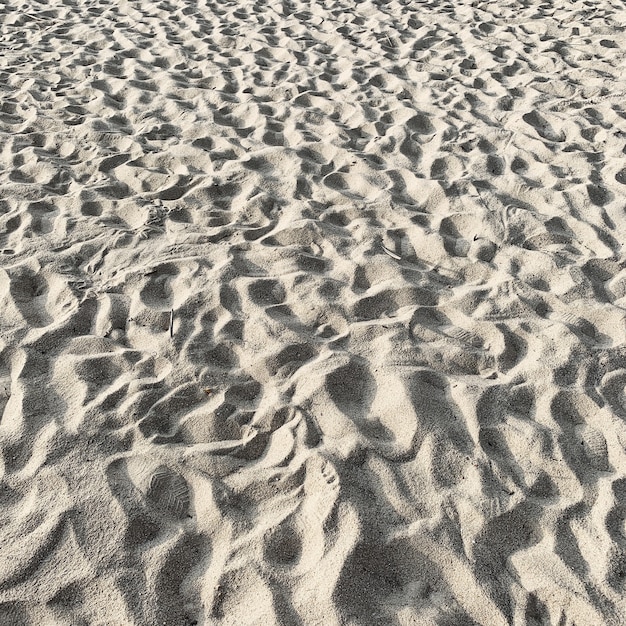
point(312, 313)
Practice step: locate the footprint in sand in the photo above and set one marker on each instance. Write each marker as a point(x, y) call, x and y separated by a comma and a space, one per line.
point(301, 540)
point(595, 448)
point(163, 489)
point(169, 491)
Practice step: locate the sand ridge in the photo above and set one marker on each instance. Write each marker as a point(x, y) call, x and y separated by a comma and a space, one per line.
point(312, 313)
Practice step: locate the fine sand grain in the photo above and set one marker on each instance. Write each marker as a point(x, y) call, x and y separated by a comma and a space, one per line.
point(312, 314)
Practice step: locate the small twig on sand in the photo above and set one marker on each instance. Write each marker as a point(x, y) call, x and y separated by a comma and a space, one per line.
point(393, 255)
point(172, 323)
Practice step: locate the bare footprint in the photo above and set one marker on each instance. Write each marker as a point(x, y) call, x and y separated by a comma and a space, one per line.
point(302, 538)
point(321, 489)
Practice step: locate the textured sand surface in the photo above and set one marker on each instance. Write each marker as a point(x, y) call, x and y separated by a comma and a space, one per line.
point(312, 313)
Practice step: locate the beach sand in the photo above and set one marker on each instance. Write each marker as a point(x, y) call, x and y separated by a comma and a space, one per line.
point(312, 313)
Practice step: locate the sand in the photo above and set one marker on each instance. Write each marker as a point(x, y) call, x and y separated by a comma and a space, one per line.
point(312, 313)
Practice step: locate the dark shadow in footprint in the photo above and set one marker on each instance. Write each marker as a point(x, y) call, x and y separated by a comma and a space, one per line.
point(599, 195)
point(374, 573)
point(420, 124)
point(283, 545)
point(542, 126)
point(515, 348)
point(369, 576)
point(352, 388)
point(157, 292)
point(387, 302)
point(28, 290)
point(425, 324)
point(42, 216)
point(14, 614)
point(173, 607)
point(516, 530)
point(290, 359)
point(266, 292)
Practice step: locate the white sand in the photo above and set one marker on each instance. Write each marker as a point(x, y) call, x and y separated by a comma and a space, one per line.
point(391, 235)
